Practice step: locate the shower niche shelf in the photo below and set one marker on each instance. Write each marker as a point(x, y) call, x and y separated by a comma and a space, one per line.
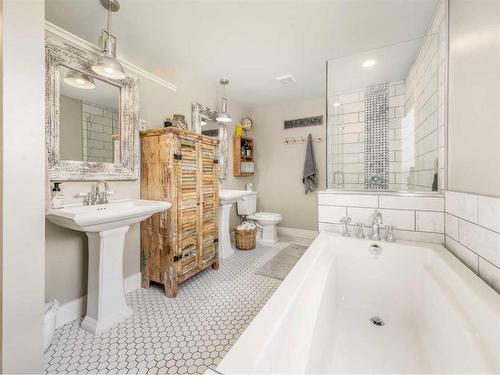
point(243, 156)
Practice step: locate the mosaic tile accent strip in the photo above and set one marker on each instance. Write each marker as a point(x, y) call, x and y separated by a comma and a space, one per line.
point(377, 137)
point(187, 334)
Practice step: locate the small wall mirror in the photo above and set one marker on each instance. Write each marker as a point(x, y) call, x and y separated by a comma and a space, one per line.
point(91, 121)
point(203, 121)
point(210, 128)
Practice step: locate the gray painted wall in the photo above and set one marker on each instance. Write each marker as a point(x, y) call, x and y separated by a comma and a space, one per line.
point(474, 97)
point(279, 167)
point(66, 250)
point(71, 128)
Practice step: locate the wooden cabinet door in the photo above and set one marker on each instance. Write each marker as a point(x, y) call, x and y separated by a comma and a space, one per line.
point(157, 183)
point(210, 201)
point(187, 246)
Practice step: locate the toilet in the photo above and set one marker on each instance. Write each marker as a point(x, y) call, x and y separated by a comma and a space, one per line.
point(266, 221)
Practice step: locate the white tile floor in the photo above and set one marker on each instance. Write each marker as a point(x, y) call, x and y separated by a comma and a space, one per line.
point(182, 335)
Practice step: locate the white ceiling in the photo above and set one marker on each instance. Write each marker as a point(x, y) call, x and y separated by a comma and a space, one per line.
point(392, 63)
point(251, 42)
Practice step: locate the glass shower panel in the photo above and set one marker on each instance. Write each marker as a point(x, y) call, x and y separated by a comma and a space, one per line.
point(386, 118)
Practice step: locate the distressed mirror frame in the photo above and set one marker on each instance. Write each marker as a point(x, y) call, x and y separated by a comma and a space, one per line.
point(60, 53)
point(197, 113)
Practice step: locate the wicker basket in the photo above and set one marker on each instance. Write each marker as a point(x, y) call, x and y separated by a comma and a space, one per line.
point(245, 238)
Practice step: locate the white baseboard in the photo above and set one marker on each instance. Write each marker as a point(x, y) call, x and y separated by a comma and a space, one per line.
point(75, 309)
point(302, 233)
point(71, 310)
point(132, 282)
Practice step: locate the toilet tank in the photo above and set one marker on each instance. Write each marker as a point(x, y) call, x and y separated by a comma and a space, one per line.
point(247, 205)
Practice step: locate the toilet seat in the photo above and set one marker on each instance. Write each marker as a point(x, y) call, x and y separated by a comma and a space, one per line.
point(266, 226)
point(265, 216)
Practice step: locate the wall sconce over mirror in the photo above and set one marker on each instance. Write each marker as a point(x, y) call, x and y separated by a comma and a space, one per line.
point(91, 120)
point(204, 121)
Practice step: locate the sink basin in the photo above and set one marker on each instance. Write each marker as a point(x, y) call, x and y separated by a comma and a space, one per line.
point(106, 226)
point(226, 200)
point(231, 196)
point(102, 217)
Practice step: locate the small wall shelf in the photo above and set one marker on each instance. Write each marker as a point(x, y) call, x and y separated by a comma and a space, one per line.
point(243, 156)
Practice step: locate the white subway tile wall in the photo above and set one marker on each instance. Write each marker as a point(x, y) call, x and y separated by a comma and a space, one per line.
point(423, 130)
point(416, 218)
point(430, 221)
point(99, 124)
point(472, 228)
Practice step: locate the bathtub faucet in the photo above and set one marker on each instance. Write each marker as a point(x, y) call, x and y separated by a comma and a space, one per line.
point(377, 225)
point(345, 229)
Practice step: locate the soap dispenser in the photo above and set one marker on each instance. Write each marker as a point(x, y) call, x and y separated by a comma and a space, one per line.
point(57, 196)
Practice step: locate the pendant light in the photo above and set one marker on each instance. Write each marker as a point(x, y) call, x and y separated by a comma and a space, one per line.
point(223, 116)
point(79, 80)
point(107, 65)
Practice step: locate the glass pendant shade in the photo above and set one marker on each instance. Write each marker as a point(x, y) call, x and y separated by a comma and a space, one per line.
point(223, 116)
point(79, 80)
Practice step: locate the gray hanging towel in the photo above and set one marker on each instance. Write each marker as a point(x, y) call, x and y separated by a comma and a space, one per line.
point(310, 175)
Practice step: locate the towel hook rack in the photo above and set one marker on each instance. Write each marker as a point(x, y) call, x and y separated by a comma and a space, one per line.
point(297, 140)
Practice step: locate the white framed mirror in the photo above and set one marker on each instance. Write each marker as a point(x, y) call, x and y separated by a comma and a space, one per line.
point(91, 121)
point(203, 121)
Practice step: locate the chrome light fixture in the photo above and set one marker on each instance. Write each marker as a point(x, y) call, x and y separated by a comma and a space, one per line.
point(79, 80)
point(107, 65)
point(222, 115)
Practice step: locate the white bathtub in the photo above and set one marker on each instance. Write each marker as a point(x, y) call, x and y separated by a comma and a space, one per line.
point(439, 316)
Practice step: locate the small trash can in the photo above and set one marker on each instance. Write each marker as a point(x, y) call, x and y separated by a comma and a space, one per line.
point(245, 236)
point(49, 323)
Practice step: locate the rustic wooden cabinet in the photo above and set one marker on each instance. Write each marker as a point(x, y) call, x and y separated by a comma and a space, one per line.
point(180, 167)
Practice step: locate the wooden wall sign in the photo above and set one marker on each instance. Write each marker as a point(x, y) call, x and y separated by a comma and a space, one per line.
point(303, 122)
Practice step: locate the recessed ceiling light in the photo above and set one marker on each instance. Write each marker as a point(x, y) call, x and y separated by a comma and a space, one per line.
point(336, 104)
point(368, 63)
point(286, 79)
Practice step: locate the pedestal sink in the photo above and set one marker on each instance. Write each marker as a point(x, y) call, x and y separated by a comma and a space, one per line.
point(226, 200)
point(106, 226)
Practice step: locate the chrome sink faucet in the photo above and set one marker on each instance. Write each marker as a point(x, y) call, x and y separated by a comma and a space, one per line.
point(377, 225)
point(98, 194)
point(102, 195)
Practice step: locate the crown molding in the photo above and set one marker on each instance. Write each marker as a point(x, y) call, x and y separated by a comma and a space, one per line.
point(79, 42)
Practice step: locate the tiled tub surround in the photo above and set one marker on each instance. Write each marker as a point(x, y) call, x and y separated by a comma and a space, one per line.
point(467, 224)
point(98, 125)
point(417, 217)
point(473, 233)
